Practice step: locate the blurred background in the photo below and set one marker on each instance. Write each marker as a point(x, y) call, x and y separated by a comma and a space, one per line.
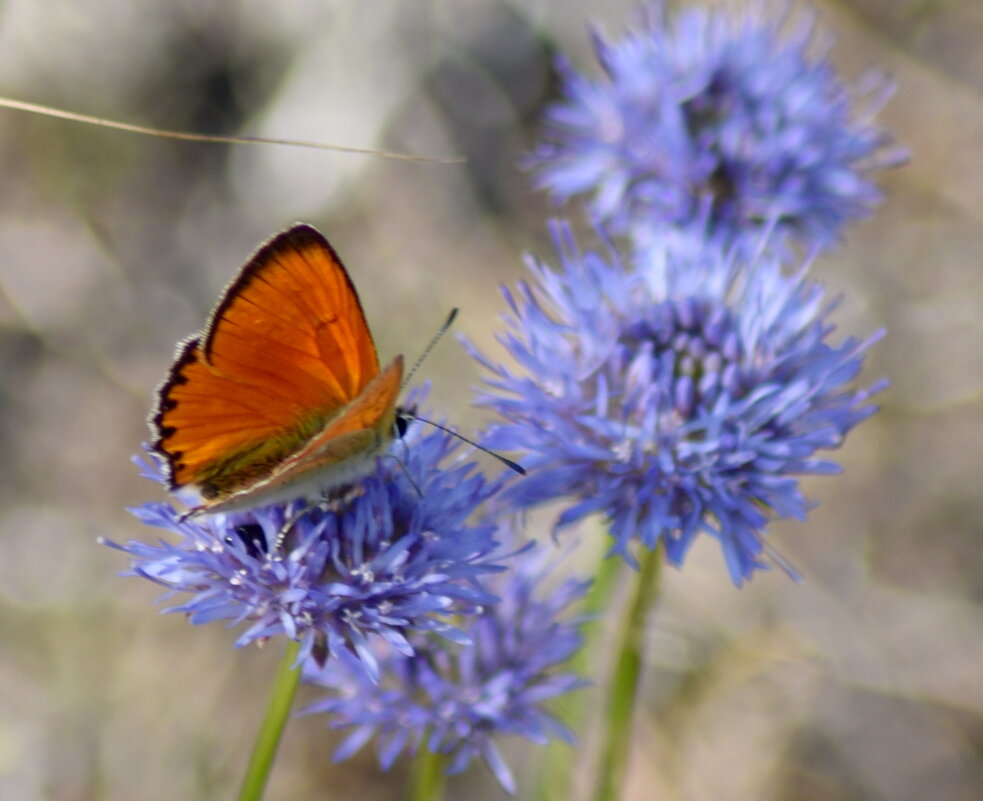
point(864, 682)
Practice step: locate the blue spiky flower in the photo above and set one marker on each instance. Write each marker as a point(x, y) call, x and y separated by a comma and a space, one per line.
point(403, 551)
point(456, 699)
point(685, 395)
point(715, 120)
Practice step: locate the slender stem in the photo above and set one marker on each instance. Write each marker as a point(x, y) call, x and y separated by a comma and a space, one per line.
point(271, 730)
point(595, 605)
point(555, 775)
point(428, 779)
point(622, 691)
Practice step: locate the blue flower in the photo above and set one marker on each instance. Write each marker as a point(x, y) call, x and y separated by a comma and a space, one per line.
point(685, 395)
point(403, 551)
point(457, 698)
point(716, 121)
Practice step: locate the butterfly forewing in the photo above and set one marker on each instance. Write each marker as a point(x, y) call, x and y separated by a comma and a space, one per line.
point(294, 306)
point(286, 350)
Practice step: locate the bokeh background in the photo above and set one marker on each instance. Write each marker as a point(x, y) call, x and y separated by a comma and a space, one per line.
point(864, 682)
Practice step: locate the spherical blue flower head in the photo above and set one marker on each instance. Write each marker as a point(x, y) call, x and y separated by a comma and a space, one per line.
point(715, 121)
point(684, 396)
point(455, 699)
point(401, 552)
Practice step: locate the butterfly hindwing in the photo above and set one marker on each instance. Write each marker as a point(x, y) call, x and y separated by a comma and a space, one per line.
point(335, 454)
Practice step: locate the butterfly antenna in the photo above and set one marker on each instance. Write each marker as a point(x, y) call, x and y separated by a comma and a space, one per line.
point(433, 342)
point(411, 414)
point(518, 468)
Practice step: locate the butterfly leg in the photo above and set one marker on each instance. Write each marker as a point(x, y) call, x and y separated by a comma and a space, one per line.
point(332, 500)
point(406, 471)
point(290, 522)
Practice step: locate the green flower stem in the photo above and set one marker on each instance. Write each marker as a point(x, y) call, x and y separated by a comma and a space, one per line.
point(621, 701)
point(270, 732)
point(428, 779)
point(556, 769)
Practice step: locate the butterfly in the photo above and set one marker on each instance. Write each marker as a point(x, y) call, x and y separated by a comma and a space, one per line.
point(281, 395)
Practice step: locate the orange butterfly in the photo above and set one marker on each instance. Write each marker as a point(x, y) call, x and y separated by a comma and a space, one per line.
point(281, 396)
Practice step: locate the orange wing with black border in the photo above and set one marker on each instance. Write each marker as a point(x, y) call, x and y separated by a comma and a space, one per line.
point(285, 351)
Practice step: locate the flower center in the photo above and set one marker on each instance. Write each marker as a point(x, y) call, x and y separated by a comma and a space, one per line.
point(695, 351)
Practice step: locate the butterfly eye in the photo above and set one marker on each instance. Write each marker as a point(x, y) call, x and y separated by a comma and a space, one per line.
point(401, 423)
